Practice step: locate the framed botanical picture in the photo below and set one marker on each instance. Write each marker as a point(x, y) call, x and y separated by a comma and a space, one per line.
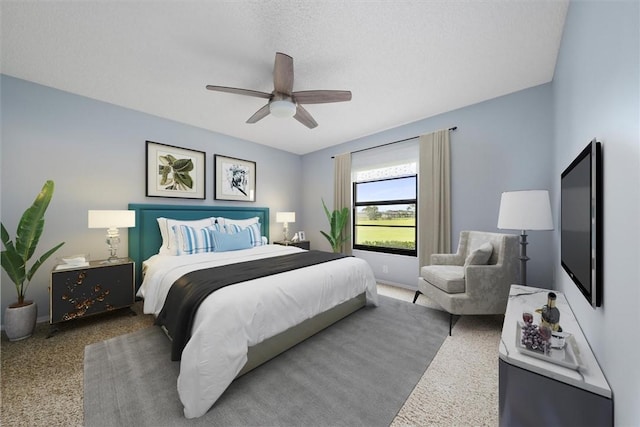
point(235, 179)
point(175, 172)
point(302, 236)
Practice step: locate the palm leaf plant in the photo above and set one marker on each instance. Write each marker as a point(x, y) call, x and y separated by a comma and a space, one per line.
point(14, 257)
point(337, 222)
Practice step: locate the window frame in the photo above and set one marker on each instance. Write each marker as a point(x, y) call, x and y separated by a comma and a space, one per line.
point(385, 249)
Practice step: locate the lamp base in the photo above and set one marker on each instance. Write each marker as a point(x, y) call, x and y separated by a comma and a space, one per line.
point(113, 239)
point(523, 258)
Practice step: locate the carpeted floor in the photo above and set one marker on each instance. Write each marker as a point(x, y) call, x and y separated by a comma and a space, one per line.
point(358, 372)
point(42, 378)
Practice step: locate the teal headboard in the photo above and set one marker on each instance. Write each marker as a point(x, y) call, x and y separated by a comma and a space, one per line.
point(145, 239)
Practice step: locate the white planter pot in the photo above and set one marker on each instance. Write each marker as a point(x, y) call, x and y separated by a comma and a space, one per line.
point(19, 322)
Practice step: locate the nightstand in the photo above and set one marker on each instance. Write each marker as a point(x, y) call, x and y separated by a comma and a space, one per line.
point(100, 287)
point(304, 244)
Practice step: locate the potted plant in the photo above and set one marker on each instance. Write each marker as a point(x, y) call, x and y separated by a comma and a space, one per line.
point(337, 221)
point(20, 317)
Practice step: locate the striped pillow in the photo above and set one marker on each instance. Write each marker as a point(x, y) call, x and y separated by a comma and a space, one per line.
point(243, 223)
point(193, 240)
point(169, 238)
point(254, 231)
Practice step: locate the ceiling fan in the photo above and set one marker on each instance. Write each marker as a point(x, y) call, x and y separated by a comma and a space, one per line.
point(283, 102)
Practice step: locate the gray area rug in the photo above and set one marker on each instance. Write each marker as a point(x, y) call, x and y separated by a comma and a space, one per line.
point(359, 371)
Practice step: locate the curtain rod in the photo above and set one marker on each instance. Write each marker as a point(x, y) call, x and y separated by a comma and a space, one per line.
point(395, 142)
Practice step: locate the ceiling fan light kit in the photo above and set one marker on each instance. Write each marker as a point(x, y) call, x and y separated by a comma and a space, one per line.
point(282, 108)
point(283, 102)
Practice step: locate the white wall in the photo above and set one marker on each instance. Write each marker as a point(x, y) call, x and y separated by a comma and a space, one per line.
point(597, 95)
point(95, 154)
point(500, 145)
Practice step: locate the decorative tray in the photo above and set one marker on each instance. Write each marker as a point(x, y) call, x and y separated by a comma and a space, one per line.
point(569, 356)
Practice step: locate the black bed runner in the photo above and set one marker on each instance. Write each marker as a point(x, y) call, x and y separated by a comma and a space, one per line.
point(188, 292)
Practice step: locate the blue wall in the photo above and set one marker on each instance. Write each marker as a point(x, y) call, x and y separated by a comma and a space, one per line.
point(500, 145)
point(597, 95)
point(95, 154)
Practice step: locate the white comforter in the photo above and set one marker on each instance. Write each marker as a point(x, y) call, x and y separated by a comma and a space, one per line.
point(239, 316)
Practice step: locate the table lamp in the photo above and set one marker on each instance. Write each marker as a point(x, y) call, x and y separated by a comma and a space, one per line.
point(112, 220)
point(286, 218)
point(525, 210)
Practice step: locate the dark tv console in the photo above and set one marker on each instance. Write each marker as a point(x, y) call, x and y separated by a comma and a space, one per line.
point(535, 391)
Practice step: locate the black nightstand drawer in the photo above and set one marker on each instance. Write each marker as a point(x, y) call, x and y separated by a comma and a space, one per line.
point(97, 288)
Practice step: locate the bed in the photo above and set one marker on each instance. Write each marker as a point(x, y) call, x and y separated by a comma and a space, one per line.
point(240, 327)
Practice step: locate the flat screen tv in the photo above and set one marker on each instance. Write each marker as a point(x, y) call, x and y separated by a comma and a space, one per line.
point(581, 222)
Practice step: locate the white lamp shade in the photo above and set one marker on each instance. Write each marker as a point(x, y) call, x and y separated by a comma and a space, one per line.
point(285, 217)
point(112, 219)
point(282, 108)
point(525, 210)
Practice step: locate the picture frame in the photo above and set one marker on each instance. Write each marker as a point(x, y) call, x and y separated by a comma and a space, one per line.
point(301, 236)
point(175, 171)
point(235, 179)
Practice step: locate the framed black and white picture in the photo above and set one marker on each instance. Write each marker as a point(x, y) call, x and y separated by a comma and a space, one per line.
point(175, 172)
point(235, 179)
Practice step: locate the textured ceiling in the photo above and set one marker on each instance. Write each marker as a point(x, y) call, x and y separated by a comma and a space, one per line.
point(402, 60)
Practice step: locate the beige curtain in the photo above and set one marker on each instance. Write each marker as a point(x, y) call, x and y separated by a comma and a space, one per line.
point(434, 199)
point(342, 193)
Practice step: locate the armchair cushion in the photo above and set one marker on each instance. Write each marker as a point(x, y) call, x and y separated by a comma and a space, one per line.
point(449, 278)
point(480, 256)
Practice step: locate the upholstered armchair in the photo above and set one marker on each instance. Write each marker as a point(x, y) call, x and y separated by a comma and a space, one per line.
point(474, 280)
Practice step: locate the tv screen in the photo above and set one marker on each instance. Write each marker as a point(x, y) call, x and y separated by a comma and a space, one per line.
point(581, 222)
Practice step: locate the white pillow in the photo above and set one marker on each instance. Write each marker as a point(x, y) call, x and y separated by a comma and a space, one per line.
point(219, 220)
point(169, 240)
point(480, 256)
point(243, 223)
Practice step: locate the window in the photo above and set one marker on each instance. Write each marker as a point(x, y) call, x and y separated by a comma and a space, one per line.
point(385, 215)
point(384, 193)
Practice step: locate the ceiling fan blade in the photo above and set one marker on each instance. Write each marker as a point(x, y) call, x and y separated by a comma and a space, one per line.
point(321, 96)
point(283, 73)
point(247, 92)
point(259, 115)
point(304, 117)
